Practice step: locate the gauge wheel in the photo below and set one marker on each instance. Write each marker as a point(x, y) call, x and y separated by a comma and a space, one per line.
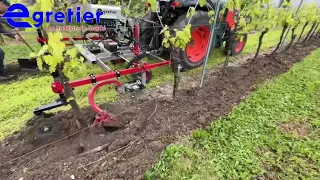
point(44, 130)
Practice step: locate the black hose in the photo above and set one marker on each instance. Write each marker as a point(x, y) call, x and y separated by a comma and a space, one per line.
point(136, 59)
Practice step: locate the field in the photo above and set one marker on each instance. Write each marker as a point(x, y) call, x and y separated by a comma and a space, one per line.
point(34, 90)
point(258, 119)
point(254, 122)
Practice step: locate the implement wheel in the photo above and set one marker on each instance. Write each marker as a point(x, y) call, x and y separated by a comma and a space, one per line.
point(195, 52)
point(44, 130)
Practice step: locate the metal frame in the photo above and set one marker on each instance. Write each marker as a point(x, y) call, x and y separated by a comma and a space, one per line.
point(108, 78)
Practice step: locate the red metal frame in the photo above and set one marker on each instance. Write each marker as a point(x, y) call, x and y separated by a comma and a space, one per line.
point(44, 40)
point(102, 116)
point(124, 72)
point(107, 78)
point(102, 80)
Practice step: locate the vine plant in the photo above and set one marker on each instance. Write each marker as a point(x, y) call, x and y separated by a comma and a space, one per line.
point(309, 17)
point(58, 59)
point(271, 14)
point(240, 28)
point(285, 20)
point(314, 19)
point(299, 18)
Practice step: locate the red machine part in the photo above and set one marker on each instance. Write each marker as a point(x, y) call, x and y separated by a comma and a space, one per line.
point(57, 87)
point(199, 45)
point(239, 46)
point(102, 116)
point(106, 78)
point(102, 80)
point(124, 72)
point(136, 48)
point(230, 19)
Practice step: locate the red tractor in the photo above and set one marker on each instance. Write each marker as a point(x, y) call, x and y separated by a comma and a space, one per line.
point(173, 13)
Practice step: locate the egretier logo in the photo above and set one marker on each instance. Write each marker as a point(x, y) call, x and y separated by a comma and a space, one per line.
point(40, 17)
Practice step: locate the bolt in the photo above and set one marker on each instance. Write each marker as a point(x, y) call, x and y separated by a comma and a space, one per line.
point(46, 129)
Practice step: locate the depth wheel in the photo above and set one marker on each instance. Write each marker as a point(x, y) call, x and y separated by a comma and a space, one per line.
point(237, 45)
point(196, 50)
point(44, 130)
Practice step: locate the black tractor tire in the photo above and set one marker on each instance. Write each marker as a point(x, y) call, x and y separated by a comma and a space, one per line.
point(199, 23)
point(146, 30)
point(236, 49)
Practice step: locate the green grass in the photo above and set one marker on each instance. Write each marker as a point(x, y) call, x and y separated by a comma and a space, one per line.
point(20, 98)
point(274, 134)
point(15, 50)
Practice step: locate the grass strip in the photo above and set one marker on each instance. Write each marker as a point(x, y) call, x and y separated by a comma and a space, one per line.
point(274, 134)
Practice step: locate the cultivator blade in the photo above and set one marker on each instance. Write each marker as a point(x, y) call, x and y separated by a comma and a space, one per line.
point(106, 120)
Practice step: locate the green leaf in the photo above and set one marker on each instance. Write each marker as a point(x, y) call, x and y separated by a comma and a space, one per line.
point(40, 63)
point(202, 3)
point(191, 12)
point(153, 4)
point(32, 54)
point(43, 50)
point(70, 99)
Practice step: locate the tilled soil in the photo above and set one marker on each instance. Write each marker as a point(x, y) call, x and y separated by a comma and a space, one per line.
point(149, 126)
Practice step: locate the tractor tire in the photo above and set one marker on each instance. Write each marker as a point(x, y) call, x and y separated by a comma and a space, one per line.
point(146, 29)
point(194, 54)
point(237, 46)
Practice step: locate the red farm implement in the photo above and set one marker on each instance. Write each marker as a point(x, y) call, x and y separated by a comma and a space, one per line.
point(140, 40)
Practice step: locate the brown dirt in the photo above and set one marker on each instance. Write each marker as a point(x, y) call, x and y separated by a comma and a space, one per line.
point(14, 69)
point(147, 130)
point(298, 129)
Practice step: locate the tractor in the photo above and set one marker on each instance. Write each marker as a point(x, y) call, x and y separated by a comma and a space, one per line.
point(174, 14)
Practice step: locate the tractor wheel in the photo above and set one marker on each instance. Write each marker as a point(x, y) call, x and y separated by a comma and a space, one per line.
point(195, 52)
point(237, 45)
point(146, 29)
